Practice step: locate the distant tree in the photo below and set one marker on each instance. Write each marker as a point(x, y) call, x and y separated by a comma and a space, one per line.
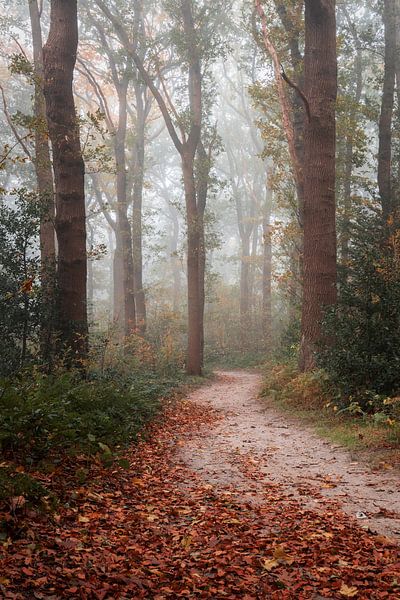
point(59, 56)
point(196, 45)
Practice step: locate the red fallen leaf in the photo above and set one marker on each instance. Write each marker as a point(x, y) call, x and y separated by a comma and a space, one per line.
point(27, 571)
point(229, 535)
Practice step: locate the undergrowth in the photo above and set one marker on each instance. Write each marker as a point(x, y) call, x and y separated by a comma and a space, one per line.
point(45, 419)
point(312, 397)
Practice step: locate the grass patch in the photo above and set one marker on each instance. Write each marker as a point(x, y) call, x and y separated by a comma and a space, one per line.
point(307, 398)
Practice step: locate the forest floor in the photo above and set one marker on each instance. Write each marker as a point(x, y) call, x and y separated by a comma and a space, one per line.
point(224, 498)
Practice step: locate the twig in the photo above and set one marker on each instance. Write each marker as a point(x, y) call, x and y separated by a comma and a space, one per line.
point(20, 140)
point(298, 90)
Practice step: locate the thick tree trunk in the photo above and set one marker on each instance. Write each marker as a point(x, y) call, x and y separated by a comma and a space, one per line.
point(140, 299)
point(320, 71)
point(386, 116)
point(59, 56)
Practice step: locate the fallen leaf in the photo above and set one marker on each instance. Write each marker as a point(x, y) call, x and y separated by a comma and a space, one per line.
point(270, 564)
point(348, 592)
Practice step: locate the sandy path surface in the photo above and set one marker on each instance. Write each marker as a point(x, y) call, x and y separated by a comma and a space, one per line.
point(255, 445)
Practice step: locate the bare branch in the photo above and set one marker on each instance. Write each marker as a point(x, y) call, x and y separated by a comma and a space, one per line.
point(285, 109)
point(20, 139)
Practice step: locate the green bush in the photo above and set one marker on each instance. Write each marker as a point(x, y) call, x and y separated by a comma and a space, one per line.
point(362, 356)
point(42, 414)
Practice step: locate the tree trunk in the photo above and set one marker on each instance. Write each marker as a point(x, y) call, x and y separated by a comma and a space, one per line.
point(320, 71)
point(140, 299)
point(267, 267)
point(44, 178)
point(43, 169)
point(244, 302)
point(90, 279)
point(293, 35)
point(175, 262)
point(253, 268)
point(386, 116)
point(194, 353)
point(123, 251)
point(59, 56)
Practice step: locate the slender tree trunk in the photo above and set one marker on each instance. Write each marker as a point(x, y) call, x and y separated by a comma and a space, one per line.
point(397, 182)
point(244, 280)
point(123, 251)
point(320, 70)
point(386, 116)
point(90, 280)
point(110, 235)
point(59, 57)
point(194, 364)
point(253, 268)
point(267, 267)
point(349, 155)
point(175, 263)
point(43, 168)
point(44, 178)
point(298, 114)
point(203, 181)
point(140, 300)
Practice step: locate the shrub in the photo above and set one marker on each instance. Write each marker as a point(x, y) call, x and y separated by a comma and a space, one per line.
point(362, 357)
point(49, 414)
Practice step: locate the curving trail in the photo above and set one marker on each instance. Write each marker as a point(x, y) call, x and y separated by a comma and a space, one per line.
point(308, 468)
point(222, 500)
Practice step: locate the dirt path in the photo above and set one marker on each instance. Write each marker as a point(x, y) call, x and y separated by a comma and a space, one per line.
point(311, 470)
point(220, 500)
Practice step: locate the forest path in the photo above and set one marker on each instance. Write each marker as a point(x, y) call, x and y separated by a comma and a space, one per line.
point(222, 499)
point(311, 470)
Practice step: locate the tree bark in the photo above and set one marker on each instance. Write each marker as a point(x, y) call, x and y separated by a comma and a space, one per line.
point(123, 250)
point(137, 233)
point(349, 149)
point(194, 352)
point(267, 266)
point(43, 169)
point(386, 116)
point(45, 186)
point(59, 57)
point(298, 113)
point(175, 262)
point(320, 72)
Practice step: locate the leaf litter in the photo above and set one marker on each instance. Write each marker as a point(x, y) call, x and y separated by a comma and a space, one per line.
point(161, 529)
